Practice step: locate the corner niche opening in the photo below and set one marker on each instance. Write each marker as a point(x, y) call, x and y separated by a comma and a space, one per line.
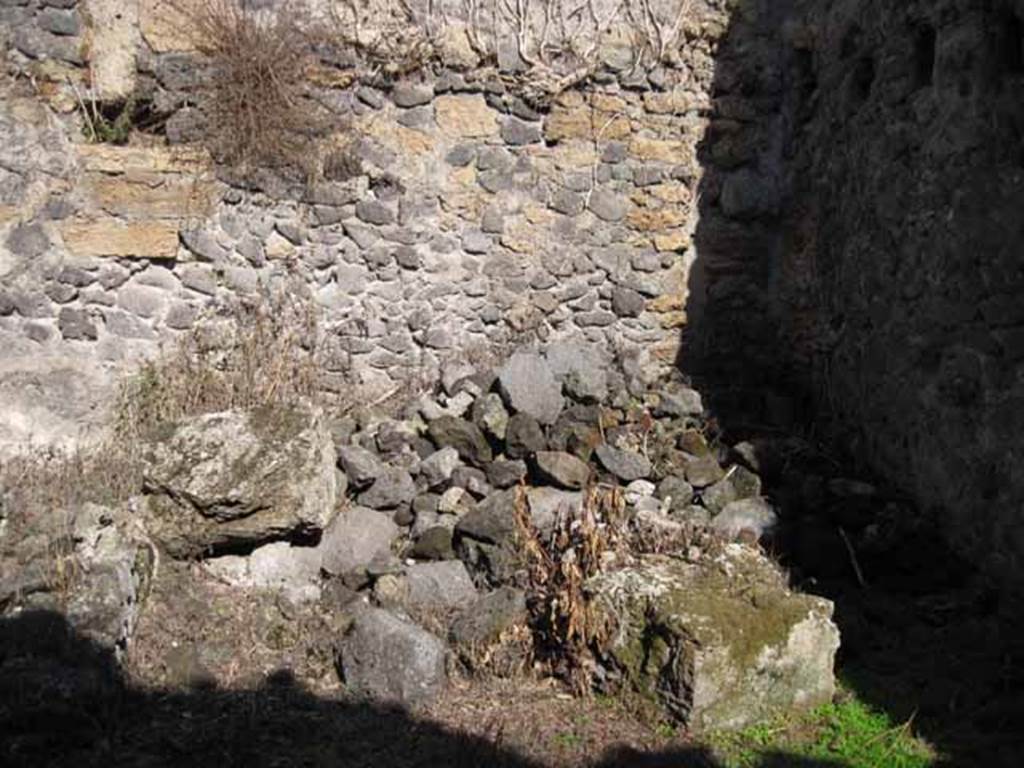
point(1011, 43)
point(924, 56)
point(863, 77)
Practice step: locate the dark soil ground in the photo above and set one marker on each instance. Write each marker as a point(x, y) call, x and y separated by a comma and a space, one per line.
point(218, 677)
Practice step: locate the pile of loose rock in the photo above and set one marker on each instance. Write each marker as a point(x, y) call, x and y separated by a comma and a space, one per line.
point(409, 526)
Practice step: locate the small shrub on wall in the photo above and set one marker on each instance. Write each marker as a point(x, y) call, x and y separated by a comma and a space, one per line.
point(255, 101)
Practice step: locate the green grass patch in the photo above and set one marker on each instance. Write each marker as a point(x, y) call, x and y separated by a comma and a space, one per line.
point(849, 733)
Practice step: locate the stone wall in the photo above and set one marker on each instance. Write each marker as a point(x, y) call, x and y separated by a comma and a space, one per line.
point(810, 202)
point(908, 188)
point(467, 218)
point(860, 243)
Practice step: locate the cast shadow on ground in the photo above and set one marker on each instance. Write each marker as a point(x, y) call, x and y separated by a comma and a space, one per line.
point(923, 638)
point(65, 702)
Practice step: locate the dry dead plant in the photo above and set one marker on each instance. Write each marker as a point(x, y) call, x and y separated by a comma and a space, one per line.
point(558, 42)
point(252, 353)
point(46, 481)
point(559, 566)
point(254, 95)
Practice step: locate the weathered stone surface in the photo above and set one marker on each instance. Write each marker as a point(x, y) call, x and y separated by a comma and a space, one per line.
point(754, 514)
point(625, 465)
point(676, 491)
point(111, 237)
point(406, 94)
point(292, 569)
point(438, 467)
point(238, 477)
point(735, 646)
point(361, 466)
point(563, 469)
point(374, 212)
point(504, 473)
point(442, 586)
point(76, 325)
point(47, 399)
point(355, 538)
point(627, 303)
point(523, 436)
point(702, 471)
point(104, 602)
point(28, 241)
point(528, 386)
point(483, 623)
point(608, 206)
point(145, 195)
point(166, 27)
point(392, 488)
point(545, 504)
point(490, 415)
point(492, 520)
point(518, 132)
point(465, 117)
point(581, 370)
point(679, 403)
point(464, 436)
point(434, 543)
point(112, 47)
point(387, 657)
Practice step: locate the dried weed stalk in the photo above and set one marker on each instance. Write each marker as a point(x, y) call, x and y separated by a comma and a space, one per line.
point(559, 567)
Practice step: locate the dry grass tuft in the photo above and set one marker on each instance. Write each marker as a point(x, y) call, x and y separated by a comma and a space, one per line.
point(252, 353)
point(255, 97)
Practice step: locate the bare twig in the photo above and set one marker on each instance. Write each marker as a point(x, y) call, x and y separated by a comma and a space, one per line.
point(853, 557)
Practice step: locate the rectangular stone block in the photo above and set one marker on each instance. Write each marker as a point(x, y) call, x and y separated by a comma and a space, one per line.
point(659, 150)
point(649, 220)
point(465, 116)
point(112, 237)
point(150, 196)
point(107, 158)
point(717, 645)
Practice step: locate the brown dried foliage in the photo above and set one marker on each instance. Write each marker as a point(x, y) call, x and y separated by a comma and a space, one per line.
point(559, 567)
point(255, 99)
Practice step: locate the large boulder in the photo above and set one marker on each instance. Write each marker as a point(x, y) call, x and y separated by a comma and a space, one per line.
point(388, 657)
point(239, 478)
point(719, 644)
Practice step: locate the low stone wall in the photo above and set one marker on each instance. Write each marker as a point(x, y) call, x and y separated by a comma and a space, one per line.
point(470, 219)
